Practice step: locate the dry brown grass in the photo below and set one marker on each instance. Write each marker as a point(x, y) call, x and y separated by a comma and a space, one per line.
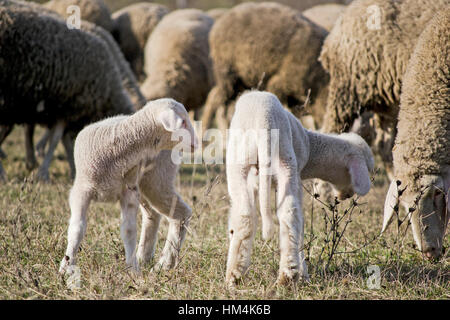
point(34, 220)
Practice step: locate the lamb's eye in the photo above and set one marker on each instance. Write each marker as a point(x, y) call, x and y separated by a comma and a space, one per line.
point(183, 124)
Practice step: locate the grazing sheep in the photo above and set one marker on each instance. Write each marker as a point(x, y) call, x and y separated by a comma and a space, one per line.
point(132, 27)
point(60, 90)
point(294, 154)
point(270, 46)
point(110, 159)
point(325, 15)
point(422, 147)
point(95, 11)
point(177, 60)
point(366, 54)
point(216, 13)
point(128, 80)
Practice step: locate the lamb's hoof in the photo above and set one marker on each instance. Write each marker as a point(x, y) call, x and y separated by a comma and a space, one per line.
point(165, 263)
point(2, 154)
point(288, 276)
point(133, 266)
point(66, 266)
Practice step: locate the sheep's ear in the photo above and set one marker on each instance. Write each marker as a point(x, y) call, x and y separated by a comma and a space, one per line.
point(390, 204)
point(170, 120)
point(359, 176)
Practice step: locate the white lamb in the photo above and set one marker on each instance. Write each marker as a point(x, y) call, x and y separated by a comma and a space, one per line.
point(343, 160)
point(126, 157)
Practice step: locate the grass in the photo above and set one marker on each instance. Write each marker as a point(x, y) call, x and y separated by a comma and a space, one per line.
point(34, 219)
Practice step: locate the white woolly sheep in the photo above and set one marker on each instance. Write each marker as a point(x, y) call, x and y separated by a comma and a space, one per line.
point(111, 157)
point(422, 147)
point(344, 160)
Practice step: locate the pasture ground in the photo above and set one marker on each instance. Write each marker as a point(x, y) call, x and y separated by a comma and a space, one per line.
point(34, 219)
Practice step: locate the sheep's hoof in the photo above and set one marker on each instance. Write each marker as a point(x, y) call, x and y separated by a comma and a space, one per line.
point(287, 277)
point(2, 154)
point(43, 176)
point(166, 262)
point(66, 266)
point(31, 165)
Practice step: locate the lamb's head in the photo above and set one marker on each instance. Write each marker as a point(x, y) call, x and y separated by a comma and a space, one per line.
point(173, 121)
point(426, 200)
point(358, 161)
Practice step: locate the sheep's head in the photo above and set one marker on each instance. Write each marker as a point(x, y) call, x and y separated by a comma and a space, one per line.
point(428, 209)
point(174, 120)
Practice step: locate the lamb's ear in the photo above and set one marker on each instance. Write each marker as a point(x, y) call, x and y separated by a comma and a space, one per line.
point(359, 176)
point(390, 204)
point(170, 120)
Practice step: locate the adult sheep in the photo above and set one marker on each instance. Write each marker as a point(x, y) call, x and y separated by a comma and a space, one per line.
point(269, 46)
point(60, 92)
point(128, 80)
point(177, 61)
point(132, 27)
point(422, 147)
point(325, 15)
point(366, 54)
point(95, 11)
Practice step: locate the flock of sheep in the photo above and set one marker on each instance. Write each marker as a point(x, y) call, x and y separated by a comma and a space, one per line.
point(373, 76)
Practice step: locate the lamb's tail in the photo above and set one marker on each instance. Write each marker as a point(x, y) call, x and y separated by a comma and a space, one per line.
point(265, 180)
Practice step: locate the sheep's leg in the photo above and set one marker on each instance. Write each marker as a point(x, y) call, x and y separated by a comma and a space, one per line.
point(40, 146)
point(129, 204)
point(242, 229)
point(68, 143)
point(79, 201)
point(149, 234)
point(291, 225)
point(157, 186)
point(55, 136)
point(216, 98)
point(242, 222)
point(4, 132)
point(31, 161)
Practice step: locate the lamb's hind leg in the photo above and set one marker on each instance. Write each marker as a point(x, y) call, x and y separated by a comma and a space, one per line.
point(55, 136)
point(241, 225)
point(79, 200)
point(129, 204)
point(149, 233)
point(157, 186)
point(291, 225)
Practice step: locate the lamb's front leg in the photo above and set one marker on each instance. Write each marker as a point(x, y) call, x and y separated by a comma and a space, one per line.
point(79, 200)
point(291, 229)
point(129, 204)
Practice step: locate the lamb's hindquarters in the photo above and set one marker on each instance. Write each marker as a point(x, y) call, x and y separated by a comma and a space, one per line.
point(159, 197)
point(242, 188)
